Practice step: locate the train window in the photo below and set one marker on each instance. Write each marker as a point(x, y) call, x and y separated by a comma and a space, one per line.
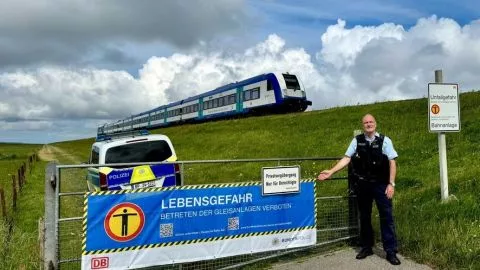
point(232, 99)
point(256, 93)
point(291, 81)
point(195, 107)
point(247, 95)
point(220, 102)
point(215, 103)
point(269, 85)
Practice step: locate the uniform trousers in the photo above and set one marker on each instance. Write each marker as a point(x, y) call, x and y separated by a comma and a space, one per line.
point(367, 192)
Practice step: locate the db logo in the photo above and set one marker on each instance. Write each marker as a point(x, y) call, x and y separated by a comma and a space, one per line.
point(100, 263)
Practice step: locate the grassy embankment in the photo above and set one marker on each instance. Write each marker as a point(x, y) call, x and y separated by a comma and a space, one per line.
point(444, 235)
point(18, 244)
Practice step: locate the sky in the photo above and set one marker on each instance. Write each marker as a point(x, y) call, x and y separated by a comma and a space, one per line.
point(68, 66)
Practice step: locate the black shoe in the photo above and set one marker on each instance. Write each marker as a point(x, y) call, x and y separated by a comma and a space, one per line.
point(364, 252)
point(392, 258)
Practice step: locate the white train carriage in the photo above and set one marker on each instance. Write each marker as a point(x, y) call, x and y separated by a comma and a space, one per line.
point(262, 94)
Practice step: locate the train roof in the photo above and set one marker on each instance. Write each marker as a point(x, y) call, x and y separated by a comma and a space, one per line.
point(211, 92)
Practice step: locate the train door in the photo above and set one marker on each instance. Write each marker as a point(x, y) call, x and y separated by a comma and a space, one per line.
point(239, 99)
point(268, 94)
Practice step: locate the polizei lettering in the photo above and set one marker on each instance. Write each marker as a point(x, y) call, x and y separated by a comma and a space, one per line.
point(206, 201)
point(118, 176)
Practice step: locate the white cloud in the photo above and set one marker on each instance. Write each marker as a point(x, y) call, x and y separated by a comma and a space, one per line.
point(341, 46)
point(26, 125)
point(386, 62)
point(354, 65)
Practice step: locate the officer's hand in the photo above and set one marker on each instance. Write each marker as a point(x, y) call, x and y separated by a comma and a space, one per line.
point(389, 191)
point(324, 175)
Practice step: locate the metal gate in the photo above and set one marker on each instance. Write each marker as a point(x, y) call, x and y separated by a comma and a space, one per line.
point(337, 219)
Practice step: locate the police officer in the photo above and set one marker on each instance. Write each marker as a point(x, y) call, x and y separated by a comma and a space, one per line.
point(373, 159)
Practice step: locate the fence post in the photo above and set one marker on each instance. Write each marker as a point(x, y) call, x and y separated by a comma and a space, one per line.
point(20, 177)
point(24, 169)
point(30, 160)
point(50, 257)
point(14, 194)
point(353, 217)
point(2, 202)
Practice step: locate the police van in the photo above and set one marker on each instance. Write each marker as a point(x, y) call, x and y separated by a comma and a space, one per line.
point(125, 148)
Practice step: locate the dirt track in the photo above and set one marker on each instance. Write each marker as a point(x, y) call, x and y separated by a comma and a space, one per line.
point(49, 153)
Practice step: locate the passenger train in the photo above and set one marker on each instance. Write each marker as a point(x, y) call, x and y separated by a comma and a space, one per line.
point(262, 94)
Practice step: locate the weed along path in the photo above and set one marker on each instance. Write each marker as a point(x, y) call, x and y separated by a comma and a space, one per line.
point(50, 153)
point(345, 260)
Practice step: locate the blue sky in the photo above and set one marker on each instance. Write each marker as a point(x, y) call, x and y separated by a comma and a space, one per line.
point(67, 66)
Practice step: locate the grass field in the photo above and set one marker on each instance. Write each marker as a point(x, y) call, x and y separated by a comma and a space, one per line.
point(443, 235)
point(17, 245)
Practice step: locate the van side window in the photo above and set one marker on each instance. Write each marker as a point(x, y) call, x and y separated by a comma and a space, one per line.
point(94, 157)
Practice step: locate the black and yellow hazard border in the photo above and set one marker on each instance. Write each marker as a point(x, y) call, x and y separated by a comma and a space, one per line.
point(187, 242)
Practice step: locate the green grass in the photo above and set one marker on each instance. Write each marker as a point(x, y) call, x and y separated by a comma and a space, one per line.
point(444, 235)
point(20, 246)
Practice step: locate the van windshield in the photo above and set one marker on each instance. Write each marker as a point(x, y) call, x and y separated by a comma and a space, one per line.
point(148, 151)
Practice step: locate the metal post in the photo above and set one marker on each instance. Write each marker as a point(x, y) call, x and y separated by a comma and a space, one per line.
point(353, 216)
point(442, 151)
point(50, 242)
point(181, 175)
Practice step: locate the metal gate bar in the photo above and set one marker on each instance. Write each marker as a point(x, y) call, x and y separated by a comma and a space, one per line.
point(338, 221)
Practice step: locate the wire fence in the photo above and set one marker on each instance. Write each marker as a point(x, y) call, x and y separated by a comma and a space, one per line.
point(9, 196)
point(336, 208)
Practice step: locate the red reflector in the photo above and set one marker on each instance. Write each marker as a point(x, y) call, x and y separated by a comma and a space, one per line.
point(177, 168)
point(103, 181)
point(138, 140)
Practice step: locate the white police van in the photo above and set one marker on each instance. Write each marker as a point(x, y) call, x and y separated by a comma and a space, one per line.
point(124, 148)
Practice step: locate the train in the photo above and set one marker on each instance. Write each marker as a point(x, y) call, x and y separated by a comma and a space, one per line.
point(267, 93)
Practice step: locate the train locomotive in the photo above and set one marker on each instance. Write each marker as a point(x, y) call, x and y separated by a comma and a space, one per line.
point(263, 94)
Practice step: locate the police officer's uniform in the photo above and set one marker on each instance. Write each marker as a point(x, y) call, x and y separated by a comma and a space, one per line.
point(370, 160)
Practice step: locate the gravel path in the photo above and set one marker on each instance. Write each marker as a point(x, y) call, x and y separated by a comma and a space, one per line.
point(345, 260)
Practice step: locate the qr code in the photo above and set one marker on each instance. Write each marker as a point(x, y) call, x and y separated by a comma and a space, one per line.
point(233, 223)
point(166, 230)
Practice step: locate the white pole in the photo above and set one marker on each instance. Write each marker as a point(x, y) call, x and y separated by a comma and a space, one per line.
point(442, 151)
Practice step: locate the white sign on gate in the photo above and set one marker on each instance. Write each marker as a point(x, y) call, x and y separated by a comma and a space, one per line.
point(280, 180)
point(443, 107)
